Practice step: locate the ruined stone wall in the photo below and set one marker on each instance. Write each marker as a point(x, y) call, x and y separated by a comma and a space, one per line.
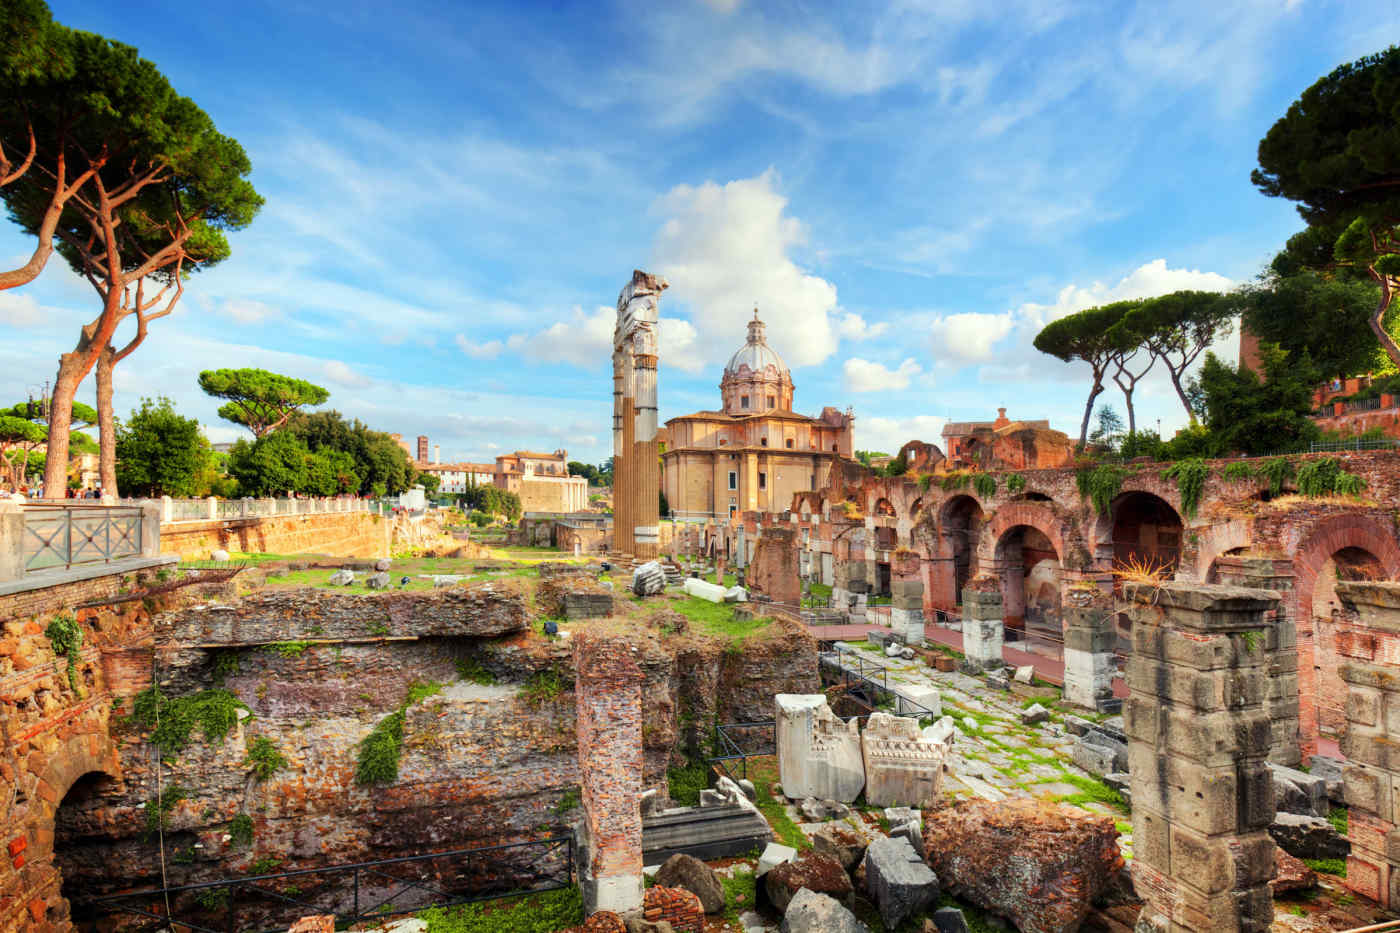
point(52, 732)
point(339, 534)
point(774, 569)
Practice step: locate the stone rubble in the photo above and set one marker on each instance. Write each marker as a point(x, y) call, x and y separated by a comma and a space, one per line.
point(810, 912)
point(898, 881)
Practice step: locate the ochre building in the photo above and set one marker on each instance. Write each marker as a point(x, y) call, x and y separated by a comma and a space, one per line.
point(755, 452)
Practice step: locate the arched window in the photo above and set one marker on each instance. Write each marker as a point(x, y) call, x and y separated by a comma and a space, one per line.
point(763, 441)
point(790, 443)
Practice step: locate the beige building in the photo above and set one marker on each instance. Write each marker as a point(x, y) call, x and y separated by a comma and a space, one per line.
point(756, 451)
point(542, 481)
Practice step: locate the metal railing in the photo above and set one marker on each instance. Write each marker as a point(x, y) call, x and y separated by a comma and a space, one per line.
point(213, 509)
point(353, 893)
point(734, 745)
point(72, 535)
point(836, 664)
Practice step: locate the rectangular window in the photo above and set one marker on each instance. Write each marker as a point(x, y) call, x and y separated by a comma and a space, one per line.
point(771, 403)
point(733, 480)
point(763, 481)
point(743, 401)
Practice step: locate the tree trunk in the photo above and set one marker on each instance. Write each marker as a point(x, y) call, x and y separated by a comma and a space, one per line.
point(106, 425)
point(1181, 393)
point(65, 388)
point(1132, 418)
point(1387, 341)
point(1089, 410)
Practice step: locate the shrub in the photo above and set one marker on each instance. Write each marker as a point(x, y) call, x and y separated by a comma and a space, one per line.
point(172, 721)
point(1278, 471)
point(1100, 485)
point(240, 830)
point(66, 637)
point(378, 759)
point(985, 485)
point(1015, 483)
point(264, 757)
point(1325, 477)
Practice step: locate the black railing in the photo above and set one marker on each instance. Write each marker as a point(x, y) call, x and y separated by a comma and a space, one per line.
point(837, 664)
point(353, 893)
point(732, 744)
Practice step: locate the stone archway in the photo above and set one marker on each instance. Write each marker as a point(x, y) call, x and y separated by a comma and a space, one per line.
point(1339, 547)
point(1215, 541)
point(1146, 531)
point(960, 521)
point(1029, 566)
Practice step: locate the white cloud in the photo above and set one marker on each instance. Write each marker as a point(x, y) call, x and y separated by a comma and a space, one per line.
point(865, 376)
point(969, 336)
point(20, 310)
point(343, 375)
point(584, 340)
point(726, 249)
point(890, 434)
point(676, 342)
point(247, 311)
point(1146, 281)
point(479, 351)
point(854, 327)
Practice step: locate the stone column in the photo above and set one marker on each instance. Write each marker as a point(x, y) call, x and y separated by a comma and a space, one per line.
point(982, 626)
point(11, 541)
point(907, 599)
point(1198, 734)
point(1090, 641)
point(619, 459)
point(1371, 670)
point(609, 729)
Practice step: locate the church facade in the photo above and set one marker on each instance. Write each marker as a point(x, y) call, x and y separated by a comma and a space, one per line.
point(754, 452)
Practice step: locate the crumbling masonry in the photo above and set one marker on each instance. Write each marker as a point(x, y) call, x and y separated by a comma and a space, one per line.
point(636, 463)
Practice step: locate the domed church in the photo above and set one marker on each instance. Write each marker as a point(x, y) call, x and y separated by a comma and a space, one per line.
point(755, 452)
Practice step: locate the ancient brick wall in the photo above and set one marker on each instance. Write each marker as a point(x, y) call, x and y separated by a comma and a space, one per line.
point(773, 571)
point(53, 731)
point(338, 534)
point(610, 770)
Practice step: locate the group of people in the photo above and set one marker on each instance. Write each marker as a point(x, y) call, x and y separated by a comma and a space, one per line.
point(26, 492)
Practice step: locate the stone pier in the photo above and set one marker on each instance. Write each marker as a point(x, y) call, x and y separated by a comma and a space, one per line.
point(907, 603)
point(773, 571)
point(1199, 735)
point(1371, 670)
point(1089, 642)
point(609, 728)
point(1281, 643)
point(982, 627)
point(636, 467)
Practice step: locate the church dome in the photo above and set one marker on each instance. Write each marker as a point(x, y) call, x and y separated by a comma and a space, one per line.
point(756, 379)
point(755, 353)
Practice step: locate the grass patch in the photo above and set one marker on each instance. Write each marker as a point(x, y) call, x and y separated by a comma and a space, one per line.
point(685, 783)
point(763, 772)
point(718, 618)
point(739, 894)
point(420, 690)
point(1091, 791)
point(1328, 866)
point(532, 913)
point(287, 649)
point(543, 687)
point(1337, 816)
point(264, 757)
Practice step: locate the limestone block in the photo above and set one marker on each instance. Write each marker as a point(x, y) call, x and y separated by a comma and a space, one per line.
point(649, 579)
point(736, 594)
point(918, 702)
point(941, 732)
point(1298, 791)
point(703, 590)
point(219, 555)
point(773, 855)
point(1024, 674)
point(377, 581)
point(899, 882)
point(818, 754)
point(900, 767)
point(810, 912)
point(1308, 837)
point(342, 578)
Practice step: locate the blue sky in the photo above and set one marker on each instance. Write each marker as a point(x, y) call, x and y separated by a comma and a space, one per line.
point(456, 193)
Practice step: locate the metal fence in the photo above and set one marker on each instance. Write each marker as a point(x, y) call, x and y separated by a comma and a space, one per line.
point(213, 509)
point(740, 741)
point(73, 535)
point(352, 893)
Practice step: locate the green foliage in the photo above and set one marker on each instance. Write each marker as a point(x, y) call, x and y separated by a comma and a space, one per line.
point(958, 479)
point(491, 501)
point(321, 454)
point(171, 721)
point(925, 481)
point(1278, 471)
point(264, 866)
point(259, 400)
point(470, 669)
point(1325, 477)
point(287, 649)
point(158, 451)
point(686, 782)
point(420, 690)
point(739, 894)
point(1091, 790)
point(1088, 336)
point(1337, 816)
point(378, 758)
point(543, 687)
point(533, 913)
point(65, 635)
point(240, 830)
point(1239, 471)
point(985, 485)
point(430, 482)
point(479, 518)
point(1246, 415)
point(1100, 485)
point(569, 800)
point(1176, 328)
point(212, 899)
point(1015, 483)
point(1322, 315)
point(158, 811)
point(264, 757)
point(1328, 866)
point(225, 663)
point(1190, 477)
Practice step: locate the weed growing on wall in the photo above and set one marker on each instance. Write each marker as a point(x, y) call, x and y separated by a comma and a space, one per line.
point(287, 649)
point(1101, 485)
point(1190, 477)
point(985, 485)
point(1325, 477)
point(956, 480)
point(158, 814)
point(264, 758)
point(1015, 483)
point(172, 721)
point(378, 759)
point(240, 830)
point(66, 637)
point(225, 665)
point(570, 800)
point(472, 670)
point(543, 687)
point(1239, 471)
point(1278, 472)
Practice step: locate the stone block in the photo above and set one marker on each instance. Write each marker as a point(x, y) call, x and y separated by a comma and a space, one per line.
point(918, 702)
point(772, 856)
point(1098, 759)
point(1308, 837)
point(690, 874)
point(898, 881)
point(900, 766)
point(810, 912)
point(818, 754)
point(1298, 792)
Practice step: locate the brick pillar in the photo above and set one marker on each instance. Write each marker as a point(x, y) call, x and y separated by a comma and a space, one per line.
point(982, 626)
point(1198, 734)
point(1371, 669)
point(609, 692)
point(1090, 640)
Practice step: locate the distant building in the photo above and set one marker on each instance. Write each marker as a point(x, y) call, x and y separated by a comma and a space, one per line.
point(454, 478)
point(755, 452)
point(1004, 444)
point(541, 480)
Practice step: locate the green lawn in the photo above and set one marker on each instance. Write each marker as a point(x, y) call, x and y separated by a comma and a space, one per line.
point(718, 618)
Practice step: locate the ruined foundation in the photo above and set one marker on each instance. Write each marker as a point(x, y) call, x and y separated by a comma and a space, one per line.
point(1199, 735)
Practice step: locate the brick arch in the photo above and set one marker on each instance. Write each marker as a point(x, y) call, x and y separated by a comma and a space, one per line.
point(1217, 540)
point(883, 508)
point(1033, 514)
point(1334, 534)
point(1101, 530)
point(79, 754)
point(915, 508)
